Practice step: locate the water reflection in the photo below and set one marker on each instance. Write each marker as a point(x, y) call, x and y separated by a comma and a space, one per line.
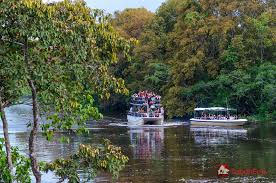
point(46, 150)
point(209, 136)
point(146, 143)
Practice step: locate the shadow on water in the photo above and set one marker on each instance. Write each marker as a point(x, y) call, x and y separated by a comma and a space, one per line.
point(174, 152)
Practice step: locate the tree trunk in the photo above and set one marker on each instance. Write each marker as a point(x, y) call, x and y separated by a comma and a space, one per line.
point(34, 162)
point(35, 126)
point(6, 135)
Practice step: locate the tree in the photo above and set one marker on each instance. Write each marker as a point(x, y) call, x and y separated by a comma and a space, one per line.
point(132, 22)
point(11, 87)
point(64, 53)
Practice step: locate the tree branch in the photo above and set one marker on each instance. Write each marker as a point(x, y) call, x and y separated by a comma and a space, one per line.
point(14, 42)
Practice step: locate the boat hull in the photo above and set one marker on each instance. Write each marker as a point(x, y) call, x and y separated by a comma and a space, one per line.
point(235, 122)
point(134, 120)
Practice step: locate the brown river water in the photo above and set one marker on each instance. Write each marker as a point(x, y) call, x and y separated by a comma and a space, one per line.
point(174, 152)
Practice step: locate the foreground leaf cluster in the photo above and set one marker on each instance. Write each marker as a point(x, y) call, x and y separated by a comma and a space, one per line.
point(89, 161)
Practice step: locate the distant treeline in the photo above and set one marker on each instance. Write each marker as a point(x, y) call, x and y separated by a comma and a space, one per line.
point(202, 53)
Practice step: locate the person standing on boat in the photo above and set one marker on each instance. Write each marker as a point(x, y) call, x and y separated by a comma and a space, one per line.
point(162, 110)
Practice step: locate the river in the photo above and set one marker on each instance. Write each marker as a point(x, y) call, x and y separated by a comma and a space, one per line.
point(175, 152)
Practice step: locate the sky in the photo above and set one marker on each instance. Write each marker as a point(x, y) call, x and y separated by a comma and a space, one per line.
point(113, 5)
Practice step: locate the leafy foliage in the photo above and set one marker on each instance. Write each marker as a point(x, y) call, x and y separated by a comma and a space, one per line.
point(88, 161)
point(131, 22)
point(21, 163)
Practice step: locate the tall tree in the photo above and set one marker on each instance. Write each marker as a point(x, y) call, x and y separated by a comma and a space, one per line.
point(65, 54)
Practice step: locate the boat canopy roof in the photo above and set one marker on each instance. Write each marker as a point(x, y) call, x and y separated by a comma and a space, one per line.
point(214, 109)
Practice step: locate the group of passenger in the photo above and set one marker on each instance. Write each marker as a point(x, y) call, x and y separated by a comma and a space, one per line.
point(145, 95)
point(218, 117)
point(151, 99)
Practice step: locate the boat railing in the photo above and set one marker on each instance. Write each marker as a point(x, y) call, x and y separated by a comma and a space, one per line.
point(218, 118)
point(152, 115)
point(137, 114)
point(143, 99)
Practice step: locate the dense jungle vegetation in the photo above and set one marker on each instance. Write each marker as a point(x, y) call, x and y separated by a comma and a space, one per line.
point(202, 53)
point(71, 58)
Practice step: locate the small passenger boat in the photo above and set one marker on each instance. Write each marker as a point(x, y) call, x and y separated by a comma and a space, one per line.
point(145, 109)
point(216, 116)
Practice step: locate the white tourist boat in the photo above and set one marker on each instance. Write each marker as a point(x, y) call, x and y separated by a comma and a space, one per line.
point(216, 116)
point(143, 112)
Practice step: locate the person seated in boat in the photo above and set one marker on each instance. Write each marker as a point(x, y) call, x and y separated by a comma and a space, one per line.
point(143, 94)
point(214, 117)
point(157, 101)
point(135, 95)
point(150, 94)
point(227, 116)
point(151, 102)
point(157, 111)
point(205, 116)
point(152, 110)
point(141, 110)
point(222, 117)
